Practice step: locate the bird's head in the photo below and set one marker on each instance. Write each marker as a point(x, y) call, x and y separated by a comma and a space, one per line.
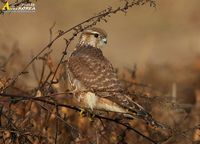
point(94, 37)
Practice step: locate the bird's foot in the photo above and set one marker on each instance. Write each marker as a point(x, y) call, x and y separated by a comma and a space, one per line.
point(87, 113)
point(82, 112)
point(91, 117)
point(90, 114)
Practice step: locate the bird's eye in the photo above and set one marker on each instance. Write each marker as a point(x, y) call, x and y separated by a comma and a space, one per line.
point(96, 35)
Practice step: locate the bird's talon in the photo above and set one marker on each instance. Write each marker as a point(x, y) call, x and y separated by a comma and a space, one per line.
point(91, 116)
point(82, 112)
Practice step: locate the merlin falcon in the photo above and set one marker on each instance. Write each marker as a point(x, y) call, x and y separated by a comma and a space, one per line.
point(93, 76)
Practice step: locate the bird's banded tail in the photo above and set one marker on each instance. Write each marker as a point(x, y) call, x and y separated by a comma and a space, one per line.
point(139, 112)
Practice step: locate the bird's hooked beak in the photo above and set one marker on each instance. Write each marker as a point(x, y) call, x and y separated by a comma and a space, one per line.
point(104, 40)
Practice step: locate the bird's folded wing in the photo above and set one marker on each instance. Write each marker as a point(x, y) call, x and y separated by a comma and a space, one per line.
point(91, 68)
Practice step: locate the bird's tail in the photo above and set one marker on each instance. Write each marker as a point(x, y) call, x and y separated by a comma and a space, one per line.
point(132, 109)
point(139, 112)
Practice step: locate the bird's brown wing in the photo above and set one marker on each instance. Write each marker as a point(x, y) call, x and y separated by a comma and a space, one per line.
point(91, 68)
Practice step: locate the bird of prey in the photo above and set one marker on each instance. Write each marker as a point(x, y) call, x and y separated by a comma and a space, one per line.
point(94, 77)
